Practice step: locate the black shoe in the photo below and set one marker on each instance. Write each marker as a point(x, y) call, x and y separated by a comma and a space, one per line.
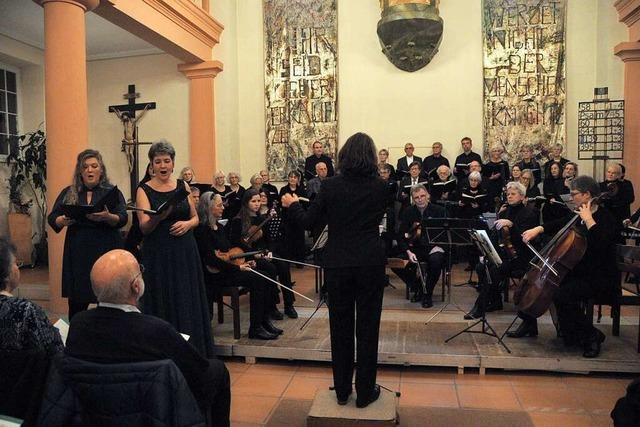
point(426, 303)
point(526, 329)
point(475, 313)
point(275, 314)
point(593, 344)
point(417, 296)
point(343, 399)
point(271, 328)
point(291, 312)
point(261, 333)
point(375, 394)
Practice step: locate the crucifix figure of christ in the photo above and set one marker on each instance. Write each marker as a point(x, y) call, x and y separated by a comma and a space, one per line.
point(130, 143)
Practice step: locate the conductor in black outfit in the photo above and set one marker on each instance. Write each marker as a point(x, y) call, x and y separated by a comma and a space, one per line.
point(116, 332)
point(353, 204)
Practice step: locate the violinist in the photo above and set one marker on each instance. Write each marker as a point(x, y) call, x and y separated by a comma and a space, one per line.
point(247, 232)
point(513, 219)
point(594, 276)
point(218, 273)
point(417, 248)
point(621, 194)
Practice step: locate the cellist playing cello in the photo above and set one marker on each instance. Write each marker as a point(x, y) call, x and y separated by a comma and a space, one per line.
point(594, 276)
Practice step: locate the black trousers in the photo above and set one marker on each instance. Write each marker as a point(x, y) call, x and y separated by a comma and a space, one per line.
point(355, 302)
point(283, 270)
point(435, 262)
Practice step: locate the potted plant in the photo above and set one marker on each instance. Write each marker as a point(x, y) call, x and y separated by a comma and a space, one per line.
point(27, 160)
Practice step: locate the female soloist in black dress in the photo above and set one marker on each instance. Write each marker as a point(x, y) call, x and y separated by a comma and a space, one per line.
point(173, 272)
point(353, 203)
point(90, 237)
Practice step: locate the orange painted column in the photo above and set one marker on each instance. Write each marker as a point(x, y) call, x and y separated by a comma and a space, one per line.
point(66, 112)
point(629, 52)
point(202, 129)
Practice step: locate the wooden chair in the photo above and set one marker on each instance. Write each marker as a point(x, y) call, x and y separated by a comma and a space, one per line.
point(234, 292)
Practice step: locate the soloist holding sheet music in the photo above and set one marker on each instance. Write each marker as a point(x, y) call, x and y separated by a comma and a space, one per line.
point(353, 204)
point(87, 239)
point(173, 272)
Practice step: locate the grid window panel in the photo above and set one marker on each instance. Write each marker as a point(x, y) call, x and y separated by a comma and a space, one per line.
point(4, 144)
point(13, 124)
point(2, 79)
point(11, 81)
point(12, 103)
point(3, 123)
point(3, 101)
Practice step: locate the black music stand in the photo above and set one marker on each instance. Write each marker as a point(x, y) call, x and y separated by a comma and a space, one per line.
point(448, 232)
point(317, 249)
point(489, 255)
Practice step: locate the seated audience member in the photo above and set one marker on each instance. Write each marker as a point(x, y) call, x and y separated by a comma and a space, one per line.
point(383, 159)
point(516, 218)
point(431, 163)
point(407, 182)
point(444, 187)
point(212, 240)
point(555, 156)
point(620, 194)
point(116, 332)
point(528, 162)
point(516, 172)
point(418, 249)
point(404, 163)
point(23, 325)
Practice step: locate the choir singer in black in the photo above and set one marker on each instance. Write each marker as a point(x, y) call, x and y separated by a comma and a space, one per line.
point(353, 204)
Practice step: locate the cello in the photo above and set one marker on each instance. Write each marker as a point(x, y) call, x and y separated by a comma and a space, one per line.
point(560, 256)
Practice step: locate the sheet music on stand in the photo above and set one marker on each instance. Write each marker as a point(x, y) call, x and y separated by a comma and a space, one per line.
point(482, 240)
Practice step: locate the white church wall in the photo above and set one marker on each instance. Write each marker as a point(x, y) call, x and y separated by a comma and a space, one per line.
point(441, 102)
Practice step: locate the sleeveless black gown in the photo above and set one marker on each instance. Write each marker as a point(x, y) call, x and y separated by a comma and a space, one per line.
point(174, 283)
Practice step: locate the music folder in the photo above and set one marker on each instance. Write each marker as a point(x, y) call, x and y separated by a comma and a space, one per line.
point(180, 194)
point(78, 212)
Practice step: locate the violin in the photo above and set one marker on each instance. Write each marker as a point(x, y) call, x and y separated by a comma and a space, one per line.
point(236, 256)
point(414, 233)
point(505, 242)
point(254, 233)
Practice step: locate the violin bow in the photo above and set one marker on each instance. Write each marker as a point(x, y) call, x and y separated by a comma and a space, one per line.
point(280, 285)
point(294, 262)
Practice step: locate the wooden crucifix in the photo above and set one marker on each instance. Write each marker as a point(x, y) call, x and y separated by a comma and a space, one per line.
point(130, 143)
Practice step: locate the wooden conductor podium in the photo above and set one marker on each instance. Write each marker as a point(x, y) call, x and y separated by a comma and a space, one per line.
point(325, 411)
